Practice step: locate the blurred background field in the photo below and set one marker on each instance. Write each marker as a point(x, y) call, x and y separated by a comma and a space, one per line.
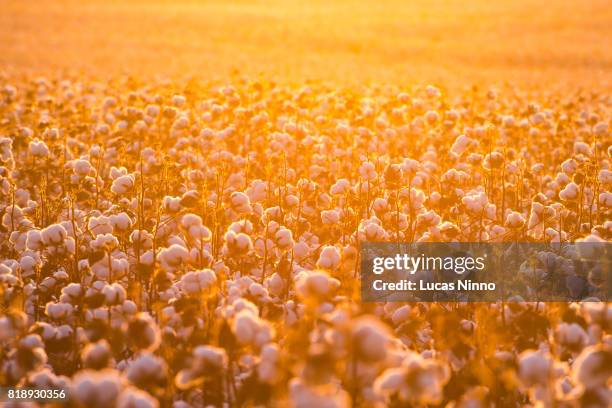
point(450, 42)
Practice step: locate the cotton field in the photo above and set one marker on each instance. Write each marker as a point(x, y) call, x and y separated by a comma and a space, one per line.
point(192, 246)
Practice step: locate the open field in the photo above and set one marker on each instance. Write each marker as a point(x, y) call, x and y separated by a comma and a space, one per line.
point(192, 234)
point(452, 43)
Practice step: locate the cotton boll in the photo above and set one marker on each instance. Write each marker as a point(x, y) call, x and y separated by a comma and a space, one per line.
point(38, 148)
point(147, 371)
point(123, 184)
point(325, 395)
point(171, 204)
point(114, 294)
point(582, 148)
point(239, 244)
point(370, 338)
point(143, 332)
point(316, 285)
point(54, 235)
point(340, 187)
point(605, 199)
point(570, 192)
point(593, 367)
point(267, 369)
point(100, 225)
point(284, 238)
point(58, 311)
point(104, 242)
point(515, 220)
point(240, 202)
point(97, 355)
point(367, 171)
point(534, 367)
point(173, 257)
point(329, 258)
point(571, 335)
point(198, 281)
point(250, 329)
point(461, 144)
point(82, 167)
point(121, 222)
point(400, 314)
point(96, 389)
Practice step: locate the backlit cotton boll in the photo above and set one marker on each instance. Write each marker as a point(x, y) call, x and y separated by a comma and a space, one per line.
point(123, 184)
point(54, 235)
point(198, 281)
point(329, 258)
point(38, 149)
point(569, 192)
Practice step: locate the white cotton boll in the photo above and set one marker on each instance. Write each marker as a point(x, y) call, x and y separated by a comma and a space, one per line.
point(58, 310)
point(380, 205)
point(371, 230)
point(120, 222)
point(96, 389)
point(330, 217)
point(250, 329)
point(257, 191)
point(38, 148)
point(123, 184)
point(143, 237)
point(31, 341)
point(245, 226)
point(71, 293)
point(116, 172)
point(582, 148)
point(114, 294)
point(173, 256)
point(54, 235)
point(400, 315)
point(571, 335)
point(28, 264)
point(461, 144)
point(258, 291)
point(316, 284)
point(267, 369)
point(324, 396)
point(515, 220)
point(534, 367)
point(238, 243)
point(104, 242)
point(605, 176)
point(370, 338)
point(100, 225)
point(171, 204)
point(146, 369)
point(329, 258)
point(593, 367)
point(190, 220)
point(198, 281)
point(284, 238)
point(570, 192)
point(82, 167)
point(129, 307)
point(605, 199)
point(340, 187)
point(275, 284)
point(240, 202)
point(475, 202)
point(301, 250)
point(34, 240)
point(367, 171)
point(132, 397)
point(569, 166)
